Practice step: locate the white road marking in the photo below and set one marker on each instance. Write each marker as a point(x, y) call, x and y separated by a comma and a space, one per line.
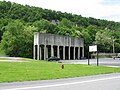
point(72, 83)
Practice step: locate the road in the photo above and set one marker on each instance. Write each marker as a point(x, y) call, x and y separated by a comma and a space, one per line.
point(102, 62)
point(12, 59)
point(97, 82)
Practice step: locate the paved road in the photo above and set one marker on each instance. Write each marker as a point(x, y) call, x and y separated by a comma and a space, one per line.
point(102, 62)
point(12, 59)
point(98, 82)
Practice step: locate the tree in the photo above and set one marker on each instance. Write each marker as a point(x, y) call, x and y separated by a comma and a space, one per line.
point(66, 27)
point(3, 23)
point(15, 18)
point(17, 40)
point(66, 23)
point(44, 26)
point(104, 40)
point(92, 31)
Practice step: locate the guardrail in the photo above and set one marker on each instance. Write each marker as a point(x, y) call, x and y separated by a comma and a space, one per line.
point(110, 55)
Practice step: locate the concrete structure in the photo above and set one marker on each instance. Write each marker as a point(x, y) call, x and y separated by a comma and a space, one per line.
point(64, 47)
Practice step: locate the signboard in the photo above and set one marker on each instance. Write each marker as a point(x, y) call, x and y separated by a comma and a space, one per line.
point(93, 48)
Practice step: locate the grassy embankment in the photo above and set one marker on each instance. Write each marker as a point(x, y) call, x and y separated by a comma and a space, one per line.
point(42, 70)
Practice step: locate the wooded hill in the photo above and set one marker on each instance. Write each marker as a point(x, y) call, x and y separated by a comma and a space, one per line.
point(18, 23)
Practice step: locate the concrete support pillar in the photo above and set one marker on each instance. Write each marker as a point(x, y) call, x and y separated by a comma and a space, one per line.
point(40, 55)
point(34, 52)
point(78, 52)
point(63, 52)
point(52, 51)
point(44, 52)
point(74, 53)
point(38, 52)
point(58, 52)
point(82, 51)
point(69, 53)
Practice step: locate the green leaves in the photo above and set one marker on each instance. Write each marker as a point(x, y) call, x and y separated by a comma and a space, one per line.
point(43, 26)
point(104, 40)
point(18, 23)
point(17, 40)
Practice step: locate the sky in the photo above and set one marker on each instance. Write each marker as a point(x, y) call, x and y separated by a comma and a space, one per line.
point(100, 9)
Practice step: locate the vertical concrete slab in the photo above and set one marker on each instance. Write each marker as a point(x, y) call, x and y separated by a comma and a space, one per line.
point(58, 52)
point(63, 52)
point(74, 53)
point(34, 52)
point(82, 51)
point(78, 52)
point(38, 52)
point(52, 50)
point(69, 52)
point(44, 52)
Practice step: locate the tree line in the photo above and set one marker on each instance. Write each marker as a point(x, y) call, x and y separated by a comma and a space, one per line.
point(18, 24)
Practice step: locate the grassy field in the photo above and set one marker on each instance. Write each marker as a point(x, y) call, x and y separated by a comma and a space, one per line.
point(42, 70)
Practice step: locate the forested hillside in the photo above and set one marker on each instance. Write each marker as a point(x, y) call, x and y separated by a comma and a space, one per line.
point(18, 23)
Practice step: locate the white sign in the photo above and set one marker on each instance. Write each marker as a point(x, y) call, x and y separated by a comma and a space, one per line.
point(93, 48)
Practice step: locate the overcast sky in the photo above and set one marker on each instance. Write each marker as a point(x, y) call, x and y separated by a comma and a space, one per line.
point(100, 9)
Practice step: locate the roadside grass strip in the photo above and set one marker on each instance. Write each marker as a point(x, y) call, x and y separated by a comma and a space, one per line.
point(43, 70)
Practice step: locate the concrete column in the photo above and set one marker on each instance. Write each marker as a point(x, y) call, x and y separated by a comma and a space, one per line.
point(34, 52)
point(69, 53)
point(52, 50)
point(58, 52)
point(78, 52)
point(74, 53)
point(82, 51)
point(44, 52)
point(63, 52)
point(38, 52)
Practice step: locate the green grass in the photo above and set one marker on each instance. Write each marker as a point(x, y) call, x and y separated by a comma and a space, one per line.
point(43, 70)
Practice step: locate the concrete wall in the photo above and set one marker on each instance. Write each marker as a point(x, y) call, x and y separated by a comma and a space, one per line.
point(57, 40)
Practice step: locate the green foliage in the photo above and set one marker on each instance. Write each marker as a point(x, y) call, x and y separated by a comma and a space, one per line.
point(18, 24)
point(44, 26)
point(17, 38)
point(66, 23)
point(32, 14)
point(104, 40)
point(2, 53)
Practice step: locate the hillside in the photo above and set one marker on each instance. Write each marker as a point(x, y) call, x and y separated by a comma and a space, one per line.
point(18, 22)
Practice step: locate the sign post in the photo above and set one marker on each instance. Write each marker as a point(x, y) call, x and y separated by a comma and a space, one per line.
point(88, 59)
point(93, 48)
point(97, 59)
